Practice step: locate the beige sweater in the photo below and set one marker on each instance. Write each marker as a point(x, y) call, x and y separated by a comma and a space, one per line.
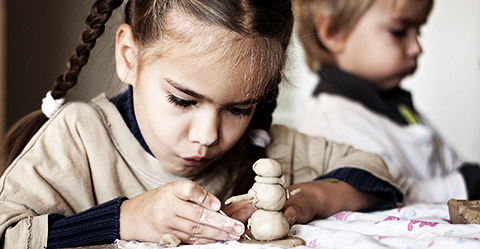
point(85, 155)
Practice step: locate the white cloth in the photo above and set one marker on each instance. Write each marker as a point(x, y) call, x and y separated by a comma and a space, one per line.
point(413, 226)
point(412, 153)
point(50, 105)
point(260, 138)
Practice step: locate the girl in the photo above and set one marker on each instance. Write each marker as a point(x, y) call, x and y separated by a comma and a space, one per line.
point(162, 156)
point(365, 48)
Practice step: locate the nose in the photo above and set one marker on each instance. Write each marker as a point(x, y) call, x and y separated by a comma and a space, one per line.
point(205, 128)
point(414, 47)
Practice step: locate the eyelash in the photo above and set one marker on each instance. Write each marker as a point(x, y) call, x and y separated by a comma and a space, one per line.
point(183, 103)
point(240, 111)
point(180, 102)
point(399, 33)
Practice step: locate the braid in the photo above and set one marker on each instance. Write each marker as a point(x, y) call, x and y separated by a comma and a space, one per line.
point(21, 132)
point(99, 15)
point(262, 118)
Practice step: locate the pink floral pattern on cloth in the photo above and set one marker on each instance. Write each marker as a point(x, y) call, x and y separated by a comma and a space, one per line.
point(413, 226)
point(342, 215)
point(422, 223)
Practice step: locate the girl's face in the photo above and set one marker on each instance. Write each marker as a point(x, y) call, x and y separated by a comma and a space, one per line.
point(383, 47)
point(191, 107)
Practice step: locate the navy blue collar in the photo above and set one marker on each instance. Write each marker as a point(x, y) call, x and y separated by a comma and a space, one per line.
point(124, 104)
point(336, 81)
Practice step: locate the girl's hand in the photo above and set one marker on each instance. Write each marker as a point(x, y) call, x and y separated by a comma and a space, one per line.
point(181, 208)
point(241, 210)
point(321, 199)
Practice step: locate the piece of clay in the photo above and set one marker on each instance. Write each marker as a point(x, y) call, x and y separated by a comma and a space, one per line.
point(294, 192)
point(270, 180)
point(268, 196)
point(267, 167)
point(268, 225)
point(169, 240)
point(464, 212)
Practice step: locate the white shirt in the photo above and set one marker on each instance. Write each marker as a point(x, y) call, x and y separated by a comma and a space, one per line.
point(417, 156)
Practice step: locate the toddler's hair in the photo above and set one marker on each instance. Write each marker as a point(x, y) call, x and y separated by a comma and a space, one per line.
point(266, 25)
point(341, 13)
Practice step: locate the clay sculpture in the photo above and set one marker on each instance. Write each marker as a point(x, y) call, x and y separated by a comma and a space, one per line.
point(268, 196)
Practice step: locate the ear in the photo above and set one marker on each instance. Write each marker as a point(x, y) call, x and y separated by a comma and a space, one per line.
point(125, 54)
point(332, 36)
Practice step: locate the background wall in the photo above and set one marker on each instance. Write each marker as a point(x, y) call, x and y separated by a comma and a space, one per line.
point(41, 35)
point(446, 86)
point(2, 65)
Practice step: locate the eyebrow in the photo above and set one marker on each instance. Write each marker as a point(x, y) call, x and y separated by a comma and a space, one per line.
point(194, 94)
point(411, 21)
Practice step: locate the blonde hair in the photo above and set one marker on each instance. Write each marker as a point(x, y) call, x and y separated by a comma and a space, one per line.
point(341, 13)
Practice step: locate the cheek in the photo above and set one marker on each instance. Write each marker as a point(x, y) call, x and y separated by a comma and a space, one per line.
point(233, 128)
point(381, 60)
point(156, 117)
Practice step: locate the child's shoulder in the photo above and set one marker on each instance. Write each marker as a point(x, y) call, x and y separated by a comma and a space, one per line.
point(74, 113)
point(281, 134)
point(78, 110)
point(78, 115)
point(328, 107)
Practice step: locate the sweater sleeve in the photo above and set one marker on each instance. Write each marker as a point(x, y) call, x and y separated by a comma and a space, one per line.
point(95, 226)
point(471, 175)
point(366, 182)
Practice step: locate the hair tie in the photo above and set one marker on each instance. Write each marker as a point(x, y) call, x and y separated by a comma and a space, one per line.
point(260, 138)
point(50, 105)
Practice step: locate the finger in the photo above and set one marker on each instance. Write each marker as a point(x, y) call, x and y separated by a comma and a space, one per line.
point(199, 214)
point(195, 231)
point(292, 214)
point(188, 239)
point(190, 191)
point(240, 210)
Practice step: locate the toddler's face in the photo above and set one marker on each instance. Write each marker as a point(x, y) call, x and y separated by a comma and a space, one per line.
point(192, 106)
point(383, 47)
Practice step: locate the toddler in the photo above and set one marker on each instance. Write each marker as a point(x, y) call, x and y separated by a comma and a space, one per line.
point(362, 50)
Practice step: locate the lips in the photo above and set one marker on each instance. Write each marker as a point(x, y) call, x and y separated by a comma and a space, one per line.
point(411, 70)
point(195, 160)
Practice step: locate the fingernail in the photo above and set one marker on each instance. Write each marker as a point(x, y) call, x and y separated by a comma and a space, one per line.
point(215, 205)
point(292, 219)
point(238, 229)
point(233, 236)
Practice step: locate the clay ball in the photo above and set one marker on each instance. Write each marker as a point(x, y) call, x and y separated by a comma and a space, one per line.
point(267, 167)
point(268, 196)
point(268, 225)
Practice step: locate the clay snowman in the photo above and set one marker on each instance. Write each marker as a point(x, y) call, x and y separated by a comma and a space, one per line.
point(268, 196)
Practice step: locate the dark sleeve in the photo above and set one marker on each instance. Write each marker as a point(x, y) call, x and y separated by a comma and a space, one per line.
point(471, 175)
point(366, 182)
point(95, 226)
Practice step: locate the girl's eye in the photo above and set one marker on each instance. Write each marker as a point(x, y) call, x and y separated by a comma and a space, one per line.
point(180, 102)
point(240, 111)
point(399, 33)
